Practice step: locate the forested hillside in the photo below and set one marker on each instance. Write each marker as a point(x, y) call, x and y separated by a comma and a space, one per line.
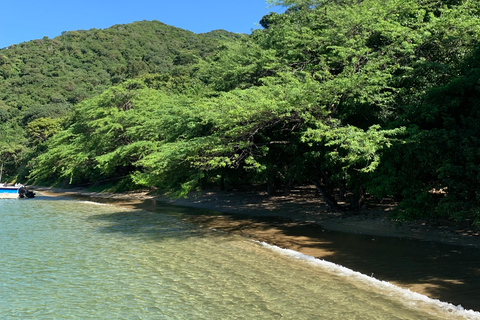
point(42, 80)
point(377, 98)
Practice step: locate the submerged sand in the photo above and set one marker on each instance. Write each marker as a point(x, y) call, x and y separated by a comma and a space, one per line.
point(300, 221)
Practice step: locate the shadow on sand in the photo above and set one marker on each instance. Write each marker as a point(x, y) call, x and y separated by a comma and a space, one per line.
point(441, 271)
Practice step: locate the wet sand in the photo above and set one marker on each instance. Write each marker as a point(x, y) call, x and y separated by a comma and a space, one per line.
point(440, 260)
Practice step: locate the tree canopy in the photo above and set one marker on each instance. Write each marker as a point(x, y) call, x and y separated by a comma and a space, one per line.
point(357, 98)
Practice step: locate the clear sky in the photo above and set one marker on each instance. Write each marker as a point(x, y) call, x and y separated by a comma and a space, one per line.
point(25, 20)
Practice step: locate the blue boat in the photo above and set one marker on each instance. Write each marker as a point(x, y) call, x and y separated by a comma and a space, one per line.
point(16, 191)
point(9, 191)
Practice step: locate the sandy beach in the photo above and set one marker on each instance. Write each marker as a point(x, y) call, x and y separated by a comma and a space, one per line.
point(302, 206)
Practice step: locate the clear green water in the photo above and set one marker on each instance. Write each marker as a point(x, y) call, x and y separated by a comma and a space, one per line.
point(65, 259)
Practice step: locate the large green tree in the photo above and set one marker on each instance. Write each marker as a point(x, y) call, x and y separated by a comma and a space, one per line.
point(354, 97)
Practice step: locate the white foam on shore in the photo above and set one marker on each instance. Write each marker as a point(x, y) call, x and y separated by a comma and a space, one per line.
point(410, 299)
point(95, 203)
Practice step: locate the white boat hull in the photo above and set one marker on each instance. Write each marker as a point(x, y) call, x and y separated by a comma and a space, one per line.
point(9, 192)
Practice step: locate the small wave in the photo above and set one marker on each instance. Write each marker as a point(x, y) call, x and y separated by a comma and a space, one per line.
point(95, 203)
point(408, 298)
point(119, 207)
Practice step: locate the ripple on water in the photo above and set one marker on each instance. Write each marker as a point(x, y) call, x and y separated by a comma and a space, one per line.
point(76, 260)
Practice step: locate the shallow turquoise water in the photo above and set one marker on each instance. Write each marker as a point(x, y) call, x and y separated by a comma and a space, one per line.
point(66, 259)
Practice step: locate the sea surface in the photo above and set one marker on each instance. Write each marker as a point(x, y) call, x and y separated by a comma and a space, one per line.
point(70, 259)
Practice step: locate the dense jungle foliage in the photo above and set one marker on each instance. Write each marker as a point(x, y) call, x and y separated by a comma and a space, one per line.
point(42, 80)
point(377, 98)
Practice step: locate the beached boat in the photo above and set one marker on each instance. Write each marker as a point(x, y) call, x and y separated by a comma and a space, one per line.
point(16, 191)
point(9, 191)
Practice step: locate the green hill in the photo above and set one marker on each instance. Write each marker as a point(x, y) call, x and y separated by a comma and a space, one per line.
point(57, 73)
point(360, 99)
point(45, 78)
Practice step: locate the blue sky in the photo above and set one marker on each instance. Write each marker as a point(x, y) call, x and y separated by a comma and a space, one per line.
point(25, 20)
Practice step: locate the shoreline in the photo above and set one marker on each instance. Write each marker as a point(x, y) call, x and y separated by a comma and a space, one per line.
point(302, 207)
point(440, 262)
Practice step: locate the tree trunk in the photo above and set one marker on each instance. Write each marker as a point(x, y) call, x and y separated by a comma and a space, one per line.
point(270, 188)
point(287, 186)
point(342, 192)
point(358, 199)
point(222, 183)
point(327, 196)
